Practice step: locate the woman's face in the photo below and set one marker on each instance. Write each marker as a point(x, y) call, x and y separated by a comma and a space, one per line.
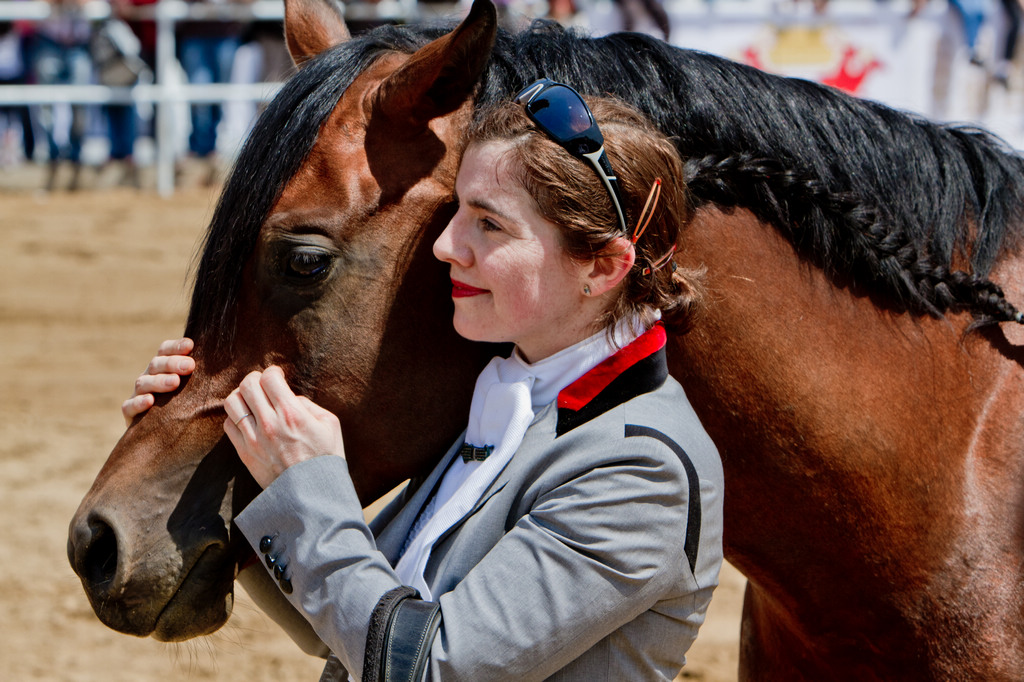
point(511, 279)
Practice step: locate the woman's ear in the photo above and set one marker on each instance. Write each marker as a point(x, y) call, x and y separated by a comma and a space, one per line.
point(611, 266)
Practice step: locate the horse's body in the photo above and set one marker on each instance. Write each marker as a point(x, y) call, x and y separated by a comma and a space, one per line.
point(872, 448)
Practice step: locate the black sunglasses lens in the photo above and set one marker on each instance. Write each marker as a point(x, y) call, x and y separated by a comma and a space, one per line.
point(561, 112)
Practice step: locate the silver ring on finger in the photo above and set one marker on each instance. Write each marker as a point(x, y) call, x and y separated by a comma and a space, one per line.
point(239, 420)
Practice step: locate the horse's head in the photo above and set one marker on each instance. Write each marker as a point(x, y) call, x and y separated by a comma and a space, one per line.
point(318, 259)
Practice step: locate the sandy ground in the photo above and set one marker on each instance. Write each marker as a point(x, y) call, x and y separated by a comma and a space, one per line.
point(90, 283)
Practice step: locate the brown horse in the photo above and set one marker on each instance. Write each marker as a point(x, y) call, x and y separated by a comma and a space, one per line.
point(849, 364)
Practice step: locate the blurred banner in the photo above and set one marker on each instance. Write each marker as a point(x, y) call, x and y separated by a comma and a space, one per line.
point(922, 63)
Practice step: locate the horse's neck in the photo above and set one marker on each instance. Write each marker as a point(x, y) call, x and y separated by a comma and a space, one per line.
point(840, 423)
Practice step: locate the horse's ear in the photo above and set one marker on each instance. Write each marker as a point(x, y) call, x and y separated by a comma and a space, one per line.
point(312, 26)
point(442, 74)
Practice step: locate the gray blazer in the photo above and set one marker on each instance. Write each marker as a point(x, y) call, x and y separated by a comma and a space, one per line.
point(592, 556)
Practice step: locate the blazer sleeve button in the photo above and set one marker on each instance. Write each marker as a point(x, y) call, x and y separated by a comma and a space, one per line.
point(270, 560)
point(286, 586)
point(265, 542)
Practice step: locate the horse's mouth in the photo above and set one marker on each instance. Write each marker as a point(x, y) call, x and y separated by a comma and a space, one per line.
point(202, 603)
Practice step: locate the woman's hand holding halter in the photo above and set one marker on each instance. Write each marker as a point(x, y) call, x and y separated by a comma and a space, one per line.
point(273, 429)
point(270, 427)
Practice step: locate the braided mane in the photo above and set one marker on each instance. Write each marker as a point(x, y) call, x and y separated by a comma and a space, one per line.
point(882, 200)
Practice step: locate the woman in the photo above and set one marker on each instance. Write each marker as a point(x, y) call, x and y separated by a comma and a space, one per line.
point(574, 530)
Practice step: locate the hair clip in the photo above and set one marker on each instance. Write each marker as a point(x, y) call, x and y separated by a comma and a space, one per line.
point(661, 262)
point(648, 212)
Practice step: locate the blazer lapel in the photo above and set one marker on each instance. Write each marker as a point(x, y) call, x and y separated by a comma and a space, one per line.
point(637, 368)
point(393, 535)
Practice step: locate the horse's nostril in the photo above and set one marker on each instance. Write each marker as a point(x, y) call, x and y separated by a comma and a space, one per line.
point(99, 565)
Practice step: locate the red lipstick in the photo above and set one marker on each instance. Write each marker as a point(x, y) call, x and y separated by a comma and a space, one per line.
point(463, 290)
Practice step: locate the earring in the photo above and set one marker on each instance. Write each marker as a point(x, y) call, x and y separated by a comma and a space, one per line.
point(586, 290)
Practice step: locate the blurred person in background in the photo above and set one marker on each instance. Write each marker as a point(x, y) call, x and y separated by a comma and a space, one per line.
point(261, 58)
point(15, 118)
point(206, 50)
point(144, 29)
point(1008, 48)
point(562, 11)
point(972, 15)
point(60, 56)
point(635, 10)
point(117, 57)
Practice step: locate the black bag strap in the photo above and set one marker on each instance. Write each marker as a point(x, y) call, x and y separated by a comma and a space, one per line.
point(413, 626)
point(402, 629)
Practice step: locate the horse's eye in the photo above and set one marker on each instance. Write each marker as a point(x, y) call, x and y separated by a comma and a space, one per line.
point(306, 263)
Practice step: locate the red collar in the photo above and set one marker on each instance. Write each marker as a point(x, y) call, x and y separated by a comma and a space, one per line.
point(580, 392)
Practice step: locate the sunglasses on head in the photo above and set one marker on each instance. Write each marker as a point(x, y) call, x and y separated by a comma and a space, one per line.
point(561, 114)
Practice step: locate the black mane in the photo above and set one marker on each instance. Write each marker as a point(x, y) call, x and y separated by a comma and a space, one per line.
point(882, 200)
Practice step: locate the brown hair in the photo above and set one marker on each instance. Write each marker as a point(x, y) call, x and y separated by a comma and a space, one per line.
point(569, 193)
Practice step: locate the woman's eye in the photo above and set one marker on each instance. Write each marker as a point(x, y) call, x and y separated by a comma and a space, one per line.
point(487, 226)
point(307, 263)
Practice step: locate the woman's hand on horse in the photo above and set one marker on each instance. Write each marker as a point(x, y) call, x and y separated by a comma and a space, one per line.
point(273, 429)
point(162, 376)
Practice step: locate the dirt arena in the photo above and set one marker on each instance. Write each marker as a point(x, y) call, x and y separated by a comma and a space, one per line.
point(92, 282)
